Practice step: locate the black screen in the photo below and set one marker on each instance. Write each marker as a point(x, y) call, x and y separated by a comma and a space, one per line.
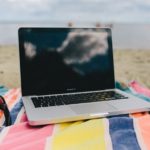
point(61, 60)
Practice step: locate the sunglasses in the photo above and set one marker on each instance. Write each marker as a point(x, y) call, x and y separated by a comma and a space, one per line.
point(4, 108)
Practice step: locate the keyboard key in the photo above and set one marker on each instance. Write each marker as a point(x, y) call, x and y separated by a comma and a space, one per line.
point(50, 101)
point(47, 101)
point(36, 102)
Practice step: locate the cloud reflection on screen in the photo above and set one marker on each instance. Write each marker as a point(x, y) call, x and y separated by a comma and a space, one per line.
point(80, 46)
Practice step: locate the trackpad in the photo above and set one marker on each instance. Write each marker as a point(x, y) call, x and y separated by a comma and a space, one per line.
point(92, 108)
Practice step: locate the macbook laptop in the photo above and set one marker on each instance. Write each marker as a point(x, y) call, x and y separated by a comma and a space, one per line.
point(67, 74)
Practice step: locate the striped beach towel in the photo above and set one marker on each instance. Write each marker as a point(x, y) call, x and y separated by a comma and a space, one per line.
point(124, 132)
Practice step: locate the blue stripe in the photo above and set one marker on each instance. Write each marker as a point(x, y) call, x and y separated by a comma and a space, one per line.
point(16, 109)
point(122, 134)
point(3, 90)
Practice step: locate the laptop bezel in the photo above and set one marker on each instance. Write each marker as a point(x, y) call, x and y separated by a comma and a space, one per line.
point(40, 29)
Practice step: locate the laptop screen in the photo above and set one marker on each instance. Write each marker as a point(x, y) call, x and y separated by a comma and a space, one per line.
point(62, 60)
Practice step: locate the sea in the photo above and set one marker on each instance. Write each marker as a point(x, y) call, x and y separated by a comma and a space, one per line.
point(124, 35)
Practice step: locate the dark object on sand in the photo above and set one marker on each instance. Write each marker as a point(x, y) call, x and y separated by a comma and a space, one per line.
point(4, 108)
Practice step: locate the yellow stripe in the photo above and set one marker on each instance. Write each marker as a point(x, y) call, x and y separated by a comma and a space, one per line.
point(88, 135)
point(64, 126)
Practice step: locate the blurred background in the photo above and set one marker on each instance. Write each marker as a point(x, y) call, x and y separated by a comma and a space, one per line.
point(128, 19)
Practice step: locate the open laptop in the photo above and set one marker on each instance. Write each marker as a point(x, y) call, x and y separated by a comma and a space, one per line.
point(67, 74)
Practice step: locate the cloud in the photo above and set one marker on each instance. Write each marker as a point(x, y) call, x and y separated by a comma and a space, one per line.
point(90, 44)
point(91, 10)
point(30, 50)
point(25, 10)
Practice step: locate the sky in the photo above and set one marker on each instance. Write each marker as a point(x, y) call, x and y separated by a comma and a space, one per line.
point(118, 11)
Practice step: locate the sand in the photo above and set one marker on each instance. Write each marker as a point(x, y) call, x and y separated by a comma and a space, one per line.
point(9, 66)
point(133, 65)
point(129, 65)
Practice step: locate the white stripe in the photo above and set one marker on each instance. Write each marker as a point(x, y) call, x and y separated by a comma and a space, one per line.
point(132, 90)
point(108, 141)
point(56, 129)
point(3, 134)
point(48, 145)
point(19, 116)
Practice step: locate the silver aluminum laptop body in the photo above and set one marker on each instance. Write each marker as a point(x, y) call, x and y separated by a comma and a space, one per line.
point(58, 62)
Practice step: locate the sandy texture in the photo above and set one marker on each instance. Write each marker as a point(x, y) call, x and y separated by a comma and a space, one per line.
point(129, 65)
point(9, 66)
point(132, 65)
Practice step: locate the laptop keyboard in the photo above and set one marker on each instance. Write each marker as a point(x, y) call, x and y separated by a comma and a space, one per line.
point(46, 101)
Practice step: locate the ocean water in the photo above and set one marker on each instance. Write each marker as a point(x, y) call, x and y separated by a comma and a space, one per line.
point(125, 36)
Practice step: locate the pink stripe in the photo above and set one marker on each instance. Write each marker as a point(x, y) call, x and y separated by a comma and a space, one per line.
point(143, 123)
point(23, 134)
point(9, 94)
point(35, 145)
point(24, 118)
point(11, 98)
point(139, 89)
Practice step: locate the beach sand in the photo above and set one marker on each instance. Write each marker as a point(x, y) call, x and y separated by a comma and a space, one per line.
point(129, 65)
point(9, 66)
